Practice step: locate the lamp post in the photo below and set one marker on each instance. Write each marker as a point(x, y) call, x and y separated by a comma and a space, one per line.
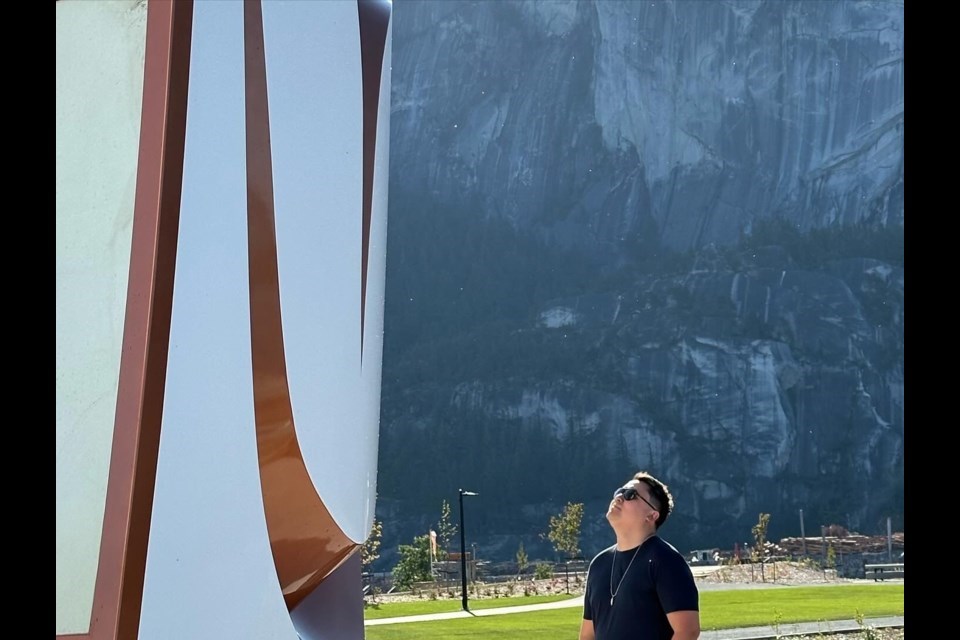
point(463, 553)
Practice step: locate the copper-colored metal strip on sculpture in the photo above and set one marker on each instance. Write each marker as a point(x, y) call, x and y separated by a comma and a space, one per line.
point(136, 436)
point(307, 543)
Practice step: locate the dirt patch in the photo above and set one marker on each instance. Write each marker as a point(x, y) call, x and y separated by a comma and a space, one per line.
point(774, 572)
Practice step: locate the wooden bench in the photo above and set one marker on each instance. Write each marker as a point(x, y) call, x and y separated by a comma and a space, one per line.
point(884, 571)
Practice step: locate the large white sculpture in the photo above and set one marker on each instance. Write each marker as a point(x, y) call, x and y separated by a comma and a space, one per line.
point(221, 242)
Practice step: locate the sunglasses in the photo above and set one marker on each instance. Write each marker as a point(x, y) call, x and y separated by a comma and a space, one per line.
point(629, 493)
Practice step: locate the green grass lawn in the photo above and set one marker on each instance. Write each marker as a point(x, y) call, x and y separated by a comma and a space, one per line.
point(753, 607)
point(397, 609)
point(718, 610)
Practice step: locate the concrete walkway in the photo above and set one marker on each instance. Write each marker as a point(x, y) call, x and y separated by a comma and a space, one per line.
point(497, 611)
point(747, 633)
point(800, 629)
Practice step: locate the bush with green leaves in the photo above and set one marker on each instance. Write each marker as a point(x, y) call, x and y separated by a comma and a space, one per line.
point(414, 563)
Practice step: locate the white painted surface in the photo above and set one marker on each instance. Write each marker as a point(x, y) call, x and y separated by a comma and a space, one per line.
point(210, 570)
point(376, 289)
point(316, 126)
point(100, 49)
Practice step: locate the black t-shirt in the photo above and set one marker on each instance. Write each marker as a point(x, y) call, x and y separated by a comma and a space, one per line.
point(658, 582)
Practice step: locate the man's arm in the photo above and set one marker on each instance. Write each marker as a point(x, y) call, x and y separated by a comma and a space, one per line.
point(686, 625)
point(586, 630)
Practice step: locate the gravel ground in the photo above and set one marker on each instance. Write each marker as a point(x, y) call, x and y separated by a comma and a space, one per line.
point(708, 578)
point(786, 573)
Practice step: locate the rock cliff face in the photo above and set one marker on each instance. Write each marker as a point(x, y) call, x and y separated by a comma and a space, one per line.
point(671, 123)
point(644, 235)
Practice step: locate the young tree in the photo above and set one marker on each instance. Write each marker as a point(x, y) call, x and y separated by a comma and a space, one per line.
point(831, 557)
point(565, 530)
point(414, 563)
point(760, 541)
point(445, 531)
point(370, 550)
point(522, 560)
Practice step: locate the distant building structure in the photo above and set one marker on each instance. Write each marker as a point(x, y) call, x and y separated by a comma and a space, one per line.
point(701, 557)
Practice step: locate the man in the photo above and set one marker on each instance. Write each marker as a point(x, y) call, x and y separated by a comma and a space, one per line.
point(640, 588)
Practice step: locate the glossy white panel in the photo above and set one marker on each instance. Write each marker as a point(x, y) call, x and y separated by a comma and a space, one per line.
point(210, 570)
point(316, 124)
point(373, 334)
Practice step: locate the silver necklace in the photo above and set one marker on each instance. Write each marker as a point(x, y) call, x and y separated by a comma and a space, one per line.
point(613, 594)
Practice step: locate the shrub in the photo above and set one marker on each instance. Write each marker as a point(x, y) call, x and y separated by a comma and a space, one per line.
point(543, 571)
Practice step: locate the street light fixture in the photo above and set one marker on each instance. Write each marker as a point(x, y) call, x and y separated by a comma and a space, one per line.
point(463, 553)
